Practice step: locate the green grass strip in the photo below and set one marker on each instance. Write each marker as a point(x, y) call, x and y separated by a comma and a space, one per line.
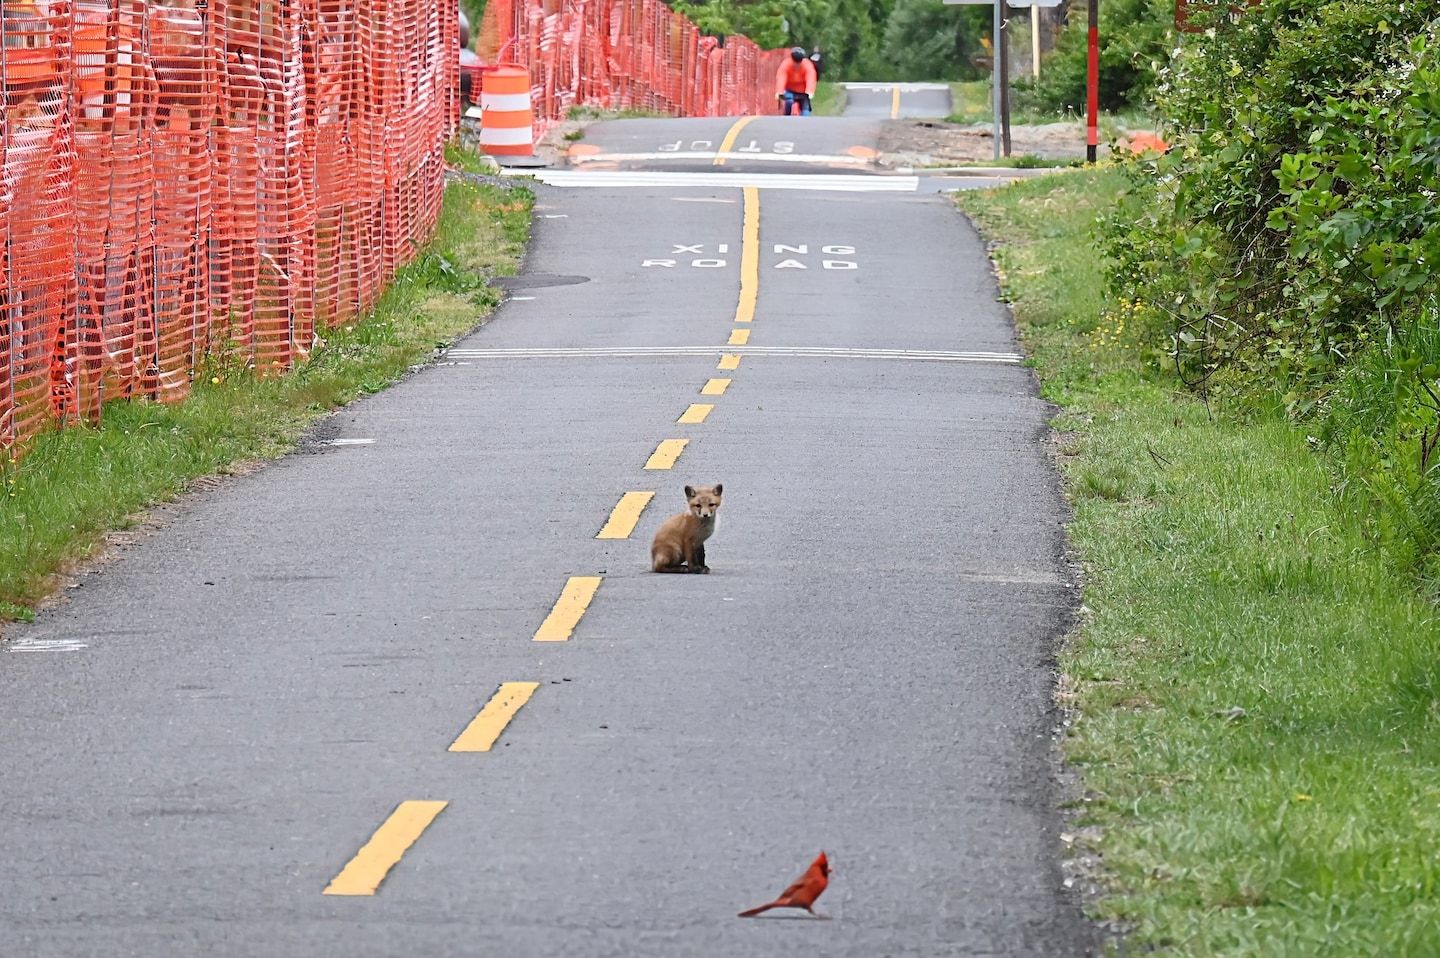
point(75, 485)
point(1256, 689)
point(829, 99)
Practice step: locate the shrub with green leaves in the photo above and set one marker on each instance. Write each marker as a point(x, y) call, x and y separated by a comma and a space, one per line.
point(1286, 247)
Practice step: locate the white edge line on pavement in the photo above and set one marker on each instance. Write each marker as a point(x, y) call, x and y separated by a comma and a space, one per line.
point(46, 645)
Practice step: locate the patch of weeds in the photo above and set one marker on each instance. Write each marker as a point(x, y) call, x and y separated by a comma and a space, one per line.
point(461, 158)
point(1102, 481)
point(9, 611)
point(587, 112)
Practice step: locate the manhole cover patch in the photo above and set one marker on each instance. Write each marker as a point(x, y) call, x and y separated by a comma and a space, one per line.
point(535, 280)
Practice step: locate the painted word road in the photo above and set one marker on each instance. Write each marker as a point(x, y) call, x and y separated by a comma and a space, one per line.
point(782, 256)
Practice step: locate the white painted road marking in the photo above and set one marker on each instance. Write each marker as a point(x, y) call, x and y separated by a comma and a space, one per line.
point(701, 146)
point(614, 179)
point(582, 158)
point(349, 442)
point(791, 262)
point(902, 87)
point(809, 352)
point(46, 645)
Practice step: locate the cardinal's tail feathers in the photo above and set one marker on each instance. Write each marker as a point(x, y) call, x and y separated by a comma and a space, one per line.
point(756, 911)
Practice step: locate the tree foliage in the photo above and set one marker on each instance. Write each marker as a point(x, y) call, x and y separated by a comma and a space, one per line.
point(860, 39)
point(849, 32)
point(925, 39)
point(763, 21)
point(1136, 39)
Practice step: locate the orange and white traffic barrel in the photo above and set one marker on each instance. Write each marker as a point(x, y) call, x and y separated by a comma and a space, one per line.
point(506, 126)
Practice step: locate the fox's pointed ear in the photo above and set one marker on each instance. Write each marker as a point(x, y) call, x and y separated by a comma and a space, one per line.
point(689, 492)
point(719, 489)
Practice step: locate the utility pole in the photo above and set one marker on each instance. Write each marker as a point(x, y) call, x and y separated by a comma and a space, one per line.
point(1000, 67)
point(995, 74)
point(1092, 82)
point(1002, 50)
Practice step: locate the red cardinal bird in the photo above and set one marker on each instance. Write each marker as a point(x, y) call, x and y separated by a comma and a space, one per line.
point(803, 893)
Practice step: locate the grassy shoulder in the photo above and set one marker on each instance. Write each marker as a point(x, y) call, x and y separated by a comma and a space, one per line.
point(1254, 684)
point(971, 103)
point(75, 485)
point(829, 99)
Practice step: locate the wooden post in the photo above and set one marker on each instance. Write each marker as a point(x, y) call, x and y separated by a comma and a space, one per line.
point(1035, 40)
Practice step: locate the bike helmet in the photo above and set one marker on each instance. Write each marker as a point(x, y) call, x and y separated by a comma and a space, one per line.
point(797, 54)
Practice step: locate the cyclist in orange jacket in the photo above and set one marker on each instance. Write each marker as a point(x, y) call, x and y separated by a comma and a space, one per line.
point(795, 83)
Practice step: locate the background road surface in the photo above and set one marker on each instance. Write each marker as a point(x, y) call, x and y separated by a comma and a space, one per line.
point(895, 100)
point(255, 703)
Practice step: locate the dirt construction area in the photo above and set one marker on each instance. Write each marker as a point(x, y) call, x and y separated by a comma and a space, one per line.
point(930, 143)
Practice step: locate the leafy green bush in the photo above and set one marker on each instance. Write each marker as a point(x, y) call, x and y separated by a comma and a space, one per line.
point(1286, 247)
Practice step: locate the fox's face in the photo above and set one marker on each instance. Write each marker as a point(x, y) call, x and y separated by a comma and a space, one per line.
point(704, 500)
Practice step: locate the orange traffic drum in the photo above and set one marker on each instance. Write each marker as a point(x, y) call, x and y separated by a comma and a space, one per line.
point(506, 126)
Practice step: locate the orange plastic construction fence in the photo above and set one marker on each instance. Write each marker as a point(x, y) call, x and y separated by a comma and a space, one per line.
point(205, 178)
point(626, 54)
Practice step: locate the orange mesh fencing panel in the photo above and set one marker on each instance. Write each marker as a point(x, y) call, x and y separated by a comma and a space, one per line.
point(205, 179)
point(37, 162)
point(625, 54)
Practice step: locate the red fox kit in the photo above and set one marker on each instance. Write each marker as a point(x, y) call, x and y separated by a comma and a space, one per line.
point(679, 545)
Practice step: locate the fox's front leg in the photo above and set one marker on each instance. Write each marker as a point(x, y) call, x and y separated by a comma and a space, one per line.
point(697, 561)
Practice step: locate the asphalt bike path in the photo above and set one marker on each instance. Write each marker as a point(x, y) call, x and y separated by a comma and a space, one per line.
point(896, 100)
point(392, 695)
point(763, 144)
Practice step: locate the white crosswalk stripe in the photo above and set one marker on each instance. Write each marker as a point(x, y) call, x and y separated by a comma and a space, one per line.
point(616, 179)
point(743, 155)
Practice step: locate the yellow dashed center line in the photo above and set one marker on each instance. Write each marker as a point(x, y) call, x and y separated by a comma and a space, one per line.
point(625, 514)
point(374, 860)
point(666, 453)
point(727, 144)
point(695, 414)
point(894, 102)
point(486, 727)
point(749, 257)
point(569, 608)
